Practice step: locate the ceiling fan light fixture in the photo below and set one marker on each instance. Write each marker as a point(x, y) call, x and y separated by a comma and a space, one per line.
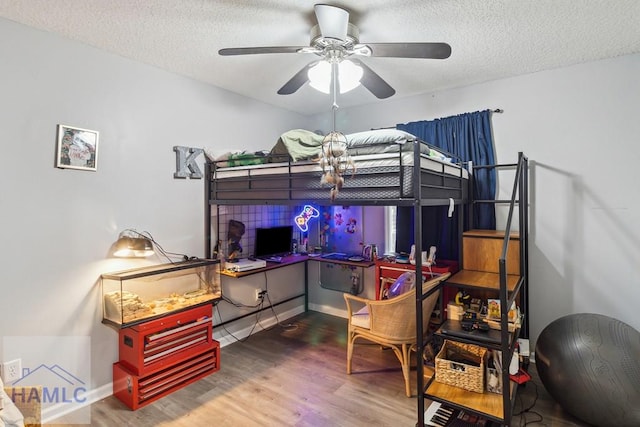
point(349, 75)
point(335, 39)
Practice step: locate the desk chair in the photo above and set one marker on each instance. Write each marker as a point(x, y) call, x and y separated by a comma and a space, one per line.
point(391, 323)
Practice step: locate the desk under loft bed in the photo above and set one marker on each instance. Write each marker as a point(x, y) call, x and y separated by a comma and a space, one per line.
point(395, 169)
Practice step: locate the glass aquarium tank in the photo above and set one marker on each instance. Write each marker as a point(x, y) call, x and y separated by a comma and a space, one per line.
point(132, 296)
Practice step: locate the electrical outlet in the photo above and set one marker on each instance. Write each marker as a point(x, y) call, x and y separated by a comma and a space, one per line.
point(259, 294)
point(12, 370)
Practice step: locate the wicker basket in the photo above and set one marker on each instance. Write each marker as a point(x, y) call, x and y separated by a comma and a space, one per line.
point(451, 369)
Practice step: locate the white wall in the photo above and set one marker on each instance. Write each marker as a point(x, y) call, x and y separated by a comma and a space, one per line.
point(59, 224)
point(579, 127)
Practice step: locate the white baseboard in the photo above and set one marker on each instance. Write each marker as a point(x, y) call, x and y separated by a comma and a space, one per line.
point(327, 309)
point(51, 413)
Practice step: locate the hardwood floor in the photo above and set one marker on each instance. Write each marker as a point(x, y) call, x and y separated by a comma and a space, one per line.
point(295, 375)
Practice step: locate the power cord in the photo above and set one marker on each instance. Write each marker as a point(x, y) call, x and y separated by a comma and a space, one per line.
point(289, 326)
point(528, 410)
point(250, 332)
point(160, 249)
point(240, 305)
point(167, 254)
point(264, 295)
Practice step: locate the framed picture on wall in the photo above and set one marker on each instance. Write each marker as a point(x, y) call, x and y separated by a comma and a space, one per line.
point(77, 148)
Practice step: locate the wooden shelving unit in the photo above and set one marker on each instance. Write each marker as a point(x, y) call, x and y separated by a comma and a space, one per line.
point(493, 263)
point(482, 279)
point(486, 404)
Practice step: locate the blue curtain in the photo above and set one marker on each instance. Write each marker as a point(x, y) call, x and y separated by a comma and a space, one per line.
point(469, 137)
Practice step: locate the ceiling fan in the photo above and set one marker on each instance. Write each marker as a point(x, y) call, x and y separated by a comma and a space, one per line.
point(336, 41)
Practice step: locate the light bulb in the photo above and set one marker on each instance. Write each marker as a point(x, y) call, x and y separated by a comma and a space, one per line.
point(349, 75)
point(320, 76)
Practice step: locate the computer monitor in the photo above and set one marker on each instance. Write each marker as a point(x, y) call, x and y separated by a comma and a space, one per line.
point(273, 241)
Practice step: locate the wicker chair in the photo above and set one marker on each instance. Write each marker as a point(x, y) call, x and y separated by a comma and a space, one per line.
point(390, 323)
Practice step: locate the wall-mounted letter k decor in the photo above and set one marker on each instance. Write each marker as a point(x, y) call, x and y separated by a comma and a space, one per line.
point(186, 159)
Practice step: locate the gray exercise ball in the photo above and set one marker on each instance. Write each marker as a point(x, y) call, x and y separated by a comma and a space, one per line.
point(590, 364)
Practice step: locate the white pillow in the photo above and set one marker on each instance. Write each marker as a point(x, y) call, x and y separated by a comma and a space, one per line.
point(378, 136)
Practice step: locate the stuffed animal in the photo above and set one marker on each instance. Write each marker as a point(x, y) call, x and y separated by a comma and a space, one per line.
point(234, 234)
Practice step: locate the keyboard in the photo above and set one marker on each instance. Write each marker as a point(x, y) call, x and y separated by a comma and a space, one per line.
point(439, 415)
point(276, 259)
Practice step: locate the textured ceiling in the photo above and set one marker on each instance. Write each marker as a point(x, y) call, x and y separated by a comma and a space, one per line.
point(490, 39)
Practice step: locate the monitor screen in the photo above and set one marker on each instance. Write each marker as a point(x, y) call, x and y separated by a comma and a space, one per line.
point(273, 240)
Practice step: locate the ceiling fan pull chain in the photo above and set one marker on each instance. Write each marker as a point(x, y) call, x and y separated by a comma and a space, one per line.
point(334, 90)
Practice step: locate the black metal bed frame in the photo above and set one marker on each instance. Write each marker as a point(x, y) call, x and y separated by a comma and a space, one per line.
point(426, 188)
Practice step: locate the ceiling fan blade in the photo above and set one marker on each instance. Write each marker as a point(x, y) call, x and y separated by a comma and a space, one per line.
point(296, 82)
point(333, 21)
point(373, 82)
point(257, 50)
point(411, 50)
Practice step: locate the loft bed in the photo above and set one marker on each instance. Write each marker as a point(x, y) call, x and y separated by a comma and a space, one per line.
point(391, 168)
point(383, 167)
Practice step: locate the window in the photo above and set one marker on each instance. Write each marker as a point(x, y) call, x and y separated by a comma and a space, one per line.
point(389, 229)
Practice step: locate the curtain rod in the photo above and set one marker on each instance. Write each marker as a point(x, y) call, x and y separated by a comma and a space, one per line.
point(495, 110)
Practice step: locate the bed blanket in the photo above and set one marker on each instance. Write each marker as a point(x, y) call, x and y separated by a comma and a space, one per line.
point(299, 144)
